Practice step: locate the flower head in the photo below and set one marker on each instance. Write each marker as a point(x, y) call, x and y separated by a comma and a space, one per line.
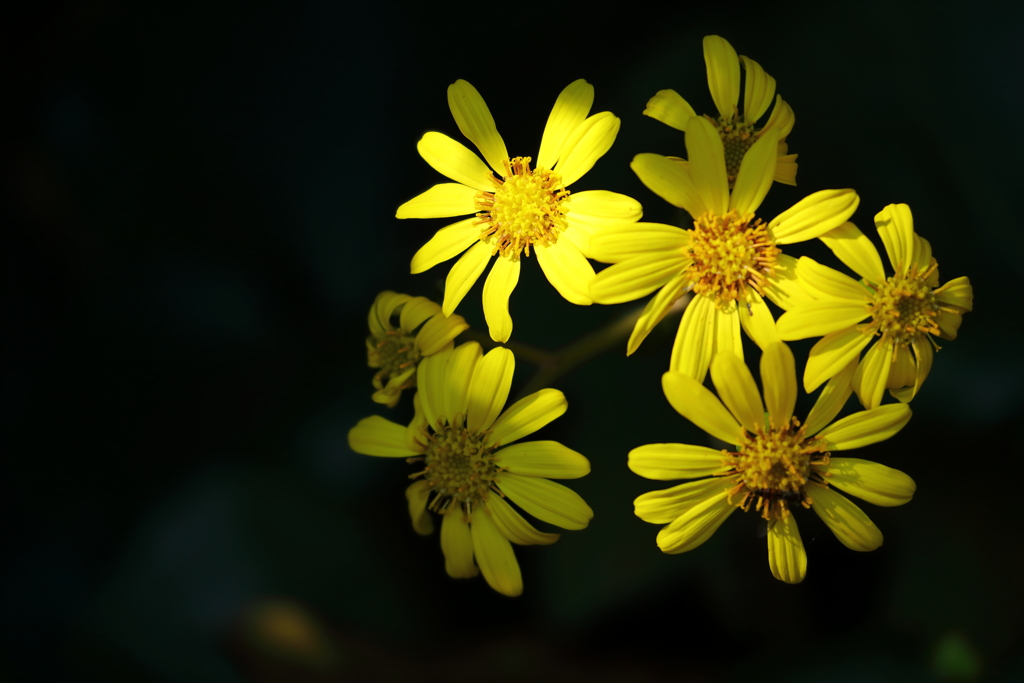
point(422, 331)
point(521, 205)
point(779, 464)
point(470, 464)
point(730, 259)
point(737, 129)
point(904, 311)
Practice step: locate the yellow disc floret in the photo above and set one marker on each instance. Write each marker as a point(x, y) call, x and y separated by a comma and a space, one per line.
point(394, 353)
point(904, 307)
point(459, 465)
point(730, 253)
point(526, 207)
point(773, 465)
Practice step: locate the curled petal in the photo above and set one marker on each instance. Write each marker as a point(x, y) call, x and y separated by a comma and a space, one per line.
point(696, 525)
point(786, 556)
point(417, 496)
point(670, 108)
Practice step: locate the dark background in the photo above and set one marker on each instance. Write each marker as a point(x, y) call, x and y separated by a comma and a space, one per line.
point(198, 212)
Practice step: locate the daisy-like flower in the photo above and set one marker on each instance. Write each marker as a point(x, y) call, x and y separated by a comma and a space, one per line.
point(904, 311)
point(738, 129)
point(470, 463)
point(521, 207)
point(779, 464)
point(422, 331)
point(729, 259)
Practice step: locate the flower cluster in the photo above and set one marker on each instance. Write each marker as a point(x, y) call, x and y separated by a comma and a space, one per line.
point(728, 267)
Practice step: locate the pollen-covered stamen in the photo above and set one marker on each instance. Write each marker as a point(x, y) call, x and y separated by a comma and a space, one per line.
point(904, 307)
point(459, 466)
point(773, 466)
point(526, 207)
point(730, 253)
point(737, 137)
point(394, 353)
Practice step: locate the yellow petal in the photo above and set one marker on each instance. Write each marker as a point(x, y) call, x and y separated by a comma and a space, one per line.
point(778, 377)
point(786, 556)
point(691, 352)
point(832, 399)
point(439, 331)
point(819, 318)
point(675, 461)
point(877, 484)
point(737, 389)
point(922, 257)
point(949, 324)
point(454, 160)
point(957, 292)
point(757, 171)
point(464, 275)
point(430, 381)
point(727, 337)
point(417, 495)
point(497, 289)
point(414, 432)
point(548, 459)
point(696, 525)
point(476, 123)
point(598, 139)
point(873, 374)
point(457, 545)
point(601, 207)
point(495, 556)
point(447, 243)
point(896, 228)
point(546, 500)
point(758, 91)
point(635, 277)
point(390, 393)
point(488, 390)
point(903, 369)
point(853, 248)
point(568, 271)
point(669, 180)
point(786, 168)
point(527, 415)
point(814, 215)
point(668, 107)
point(513, 527)
point(924, 355)
point(830, 283)
point(784, 288)
point(383, 308)
point(706, 154)
point(830, 354)
point(696, 403)
point(457, 377)
point(664, 506)
point(440, 201)
point(847, 521)
point(757, 321)
point(723, 75)
point(866, 427)
point(376, 436)
point(570, 110)
point(415, 311)
point(782, 118)
point(613, 245)
point(656, 310)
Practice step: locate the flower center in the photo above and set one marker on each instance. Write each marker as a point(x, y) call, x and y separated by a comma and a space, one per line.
point(904, 307)
point(394, 353)
point(737, 137)
point(773, 466)
point(525, 208)
point(730, 253)
point(459, 466)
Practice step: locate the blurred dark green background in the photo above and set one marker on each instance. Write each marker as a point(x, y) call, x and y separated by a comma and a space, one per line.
point(198, 212)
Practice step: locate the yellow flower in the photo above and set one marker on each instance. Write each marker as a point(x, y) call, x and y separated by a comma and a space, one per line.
point(737, 129)
point(778, 463)
point(397, 351)
point(470, 463)
point(522, 209)
point(906, 309)
point(729, 259)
